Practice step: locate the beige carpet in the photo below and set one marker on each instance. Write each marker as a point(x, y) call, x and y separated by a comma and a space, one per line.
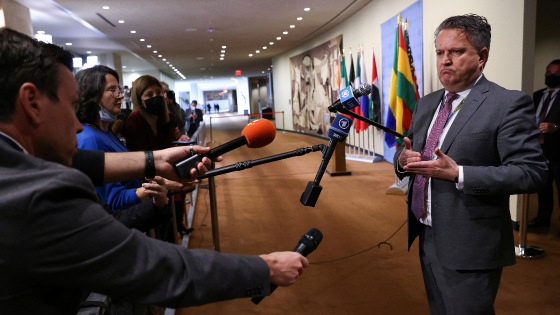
point(259, 212)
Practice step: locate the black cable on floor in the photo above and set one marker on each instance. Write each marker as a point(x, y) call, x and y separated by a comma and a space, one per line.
point(202, 222)
point(378, 246)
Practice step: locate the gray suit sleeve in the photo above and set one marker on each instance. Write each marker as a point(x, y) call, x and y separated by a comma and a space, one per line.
point(73, 242)
point(523, 167)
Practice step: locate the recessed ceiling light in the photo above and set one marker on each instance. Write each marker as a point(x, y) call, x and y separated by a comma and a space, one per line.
point(68, 44)
point(223, 51)
point(121, 21)
point(171, 66)
point(141, 39)
point(222, 55)
point(299, 18)
point(222, 58)
point(263, 71)
point(199, 58)
point(105, 7)
point(167, 62)
point(271, 43)
point(264, 47)
point(133, 32)
point(160, 56)
point(211, 39)
point(250, 55)
point(257, 51)
point(285, 32)
point(224, 47)
point(307, 9)
point(155, 51)
point(149, 46)
point(278, 38)
point(268, 69)
point(163, 59)
point(124, 67)
point(40, 32)
point(88, 52)
point(292, 26)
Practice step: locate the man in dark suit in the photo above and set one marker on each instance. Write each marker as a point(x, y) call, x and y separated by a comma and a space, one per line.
point(194, 117)
point(471, 145)
point(547, 109)
point(56, 241)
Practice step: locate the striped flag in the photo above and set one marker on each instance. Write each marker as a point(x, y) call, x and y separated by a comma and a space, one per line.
point(402, 97)
point(409, 53)
point(365, 104)
point(375, 99)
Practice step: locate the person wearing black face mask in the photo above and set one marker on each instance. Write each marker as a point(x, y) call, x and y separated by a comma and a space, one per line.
point(150, 126)
point(547, 109)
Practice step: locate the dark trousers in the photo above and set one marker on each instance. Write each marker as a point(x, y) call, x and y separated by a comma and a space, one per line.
point(546, 195)
point(456, 292)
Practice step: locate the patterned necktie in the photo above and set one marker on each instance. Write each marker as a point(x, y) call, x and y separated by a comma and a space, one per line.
point(544, 109)
point(419, 187)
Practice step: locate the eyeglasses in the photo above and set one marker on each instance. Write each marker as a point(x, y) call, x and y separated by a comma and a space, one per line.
point(116, 92)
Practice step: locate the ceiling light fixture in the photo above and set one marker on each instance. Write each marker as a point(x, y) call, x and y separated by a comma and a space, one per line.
point(264, 47)
point(271, 43)
point(88, 52)
point(121, 21)
point(222, 58)
point(105, 7)
point(40, 32)
point(155, 51)
point(257, 51)
point(278, 38)
point(149, 46)
point(223, 51)
point(133, 32)
point(285, 32)
point(68, 44)
point(224, 47)
point(124, 67)
point(160, 56)
point(263, 71)
point(167, 62)
point(163, 59)
point(299, 18)
point(292, 26)
point(250, 55)
point(307, 9)
point(141, 39)
point(222, 55)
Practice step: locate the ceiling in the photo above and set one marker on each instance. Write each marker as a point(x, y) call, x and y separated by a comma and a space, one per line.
point(189, 33)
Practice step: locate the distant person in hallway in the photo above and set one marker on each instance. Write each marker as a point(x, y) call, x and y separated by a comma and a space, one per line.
point(126, 98)
point(547, 109)
point(470, 146)
point(209, 107)
point(175, 109)
point(194, 117)
point(57, 242)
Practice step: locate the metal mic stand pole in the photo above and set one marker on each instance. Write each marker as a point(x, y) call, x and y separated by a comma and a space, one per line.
point(371, 122)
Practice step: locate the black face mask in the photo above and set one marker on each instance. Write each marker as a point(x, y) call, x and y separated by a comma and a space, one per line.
point(154, 105)
point(552, 80)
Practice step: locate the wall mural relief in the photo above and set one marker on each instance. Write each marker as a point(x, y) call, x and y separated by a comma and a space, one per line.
point(313, 77)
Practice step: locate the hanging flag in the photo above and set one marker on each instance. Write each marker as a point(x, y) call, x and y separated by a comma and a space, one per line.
point(402, 98)
point(364, 100)
point(338, 62)
point(411, 60)
point(355, 83)
point(343, 75)
point(375, 99)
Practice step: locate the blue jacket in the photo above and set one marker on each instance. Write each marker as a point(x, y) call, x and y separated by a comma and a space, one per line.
point(120, 195)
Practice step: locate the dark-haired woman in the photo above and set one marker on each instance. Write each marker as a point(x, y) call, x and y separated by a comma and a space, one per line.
point(98, 106)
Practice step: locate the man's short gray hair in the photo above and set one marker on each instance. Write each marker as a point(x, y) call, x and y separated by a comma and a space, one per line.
point(475, 27)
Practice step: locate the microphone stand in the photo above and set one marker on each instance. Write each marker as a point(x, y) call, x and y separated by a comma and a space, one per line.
point(248, 164)
point(344, 111)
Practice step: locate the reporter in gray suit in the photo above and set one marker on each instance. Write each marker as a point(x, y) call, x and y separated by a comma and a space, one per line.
point(56, 241)
point(470, 146)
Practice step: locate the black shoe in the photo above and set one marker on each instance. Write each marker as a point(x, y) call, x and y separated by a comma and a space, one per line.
point(537, 223)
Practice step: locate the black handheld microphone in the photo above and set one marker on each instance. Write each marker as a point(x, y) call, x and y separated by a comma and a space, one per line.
point(348, 97)
point(257, 134)
point(306, 245)
point(338, 131)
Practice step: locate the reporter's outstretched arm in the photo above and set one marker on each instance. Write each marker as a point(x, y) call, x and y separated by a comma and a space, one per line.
point(285, 267)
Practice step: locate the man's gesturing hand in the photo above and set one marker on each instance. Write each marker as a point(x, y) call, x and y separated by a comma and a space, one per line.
point(285, 267)
point(165, 159)
point(407, 155)
point(443, 168)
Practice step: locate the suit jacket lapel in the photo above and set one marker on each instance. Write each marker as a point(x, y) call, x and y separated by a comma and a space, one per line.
point(475, 98)
point(425, 120)
point(554, 108)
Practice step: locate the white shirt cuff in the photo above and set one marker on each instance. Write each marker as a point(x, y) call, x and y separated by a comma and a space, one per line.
point(460, 183)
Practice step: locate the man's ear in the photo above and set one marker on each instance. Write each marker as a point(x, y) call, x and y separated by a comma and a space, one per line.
point(32, 102)
point(483, 56)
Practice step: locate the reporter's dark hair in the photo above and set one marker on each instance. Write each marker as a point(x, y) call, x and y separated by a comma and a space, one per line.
point(554, 62)
point(25, 60)
point(91, 84)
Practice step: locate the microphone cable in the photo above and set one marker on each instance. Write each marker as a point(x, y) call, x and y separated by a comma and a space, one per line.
point(356, 254)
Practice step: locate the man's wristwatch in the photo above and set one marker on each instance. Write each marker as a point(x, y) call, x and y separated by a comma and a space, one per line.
point(456, 180)
point(150, 164)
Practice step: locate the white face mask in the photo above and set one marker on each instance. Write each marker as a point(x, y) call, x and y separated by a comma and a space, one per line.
point(193, 107)
point(106, 116)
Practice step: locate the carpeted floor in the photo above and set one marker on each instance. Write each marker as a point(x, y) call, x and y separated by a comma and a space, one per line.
point(259, 212)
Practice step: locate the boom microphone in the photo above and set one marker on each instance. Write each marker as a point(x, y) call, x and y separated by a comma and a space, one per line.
point(348, 97)
point(338, 131)
point(306, 245)
point(256, 134)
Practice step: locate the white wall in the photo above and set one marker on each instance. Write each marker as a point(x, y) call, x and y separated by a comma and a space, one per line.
point(243, 94)
point(129, 77)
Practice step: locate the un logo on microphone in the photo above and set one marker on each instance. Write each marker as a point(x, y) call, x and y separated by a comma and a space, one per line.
point(345, 93)
point(344, 123)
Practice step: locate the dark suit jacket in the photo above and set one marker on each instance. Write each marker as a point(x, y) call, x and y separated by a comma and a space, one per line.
point(56, 241)
point(495, 138)
point(551, 145)
point(197, 121)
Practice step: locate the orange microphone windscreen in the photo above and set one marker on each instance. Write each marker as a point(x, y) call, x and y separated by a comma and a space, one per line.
point(118, 126)
point(259, 133)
